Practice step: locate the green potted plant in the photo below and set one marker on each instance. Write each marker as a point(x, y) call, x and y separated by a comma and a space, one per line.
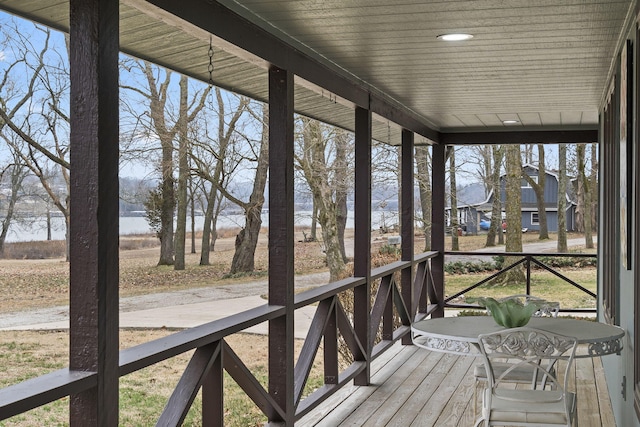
point(509, 312)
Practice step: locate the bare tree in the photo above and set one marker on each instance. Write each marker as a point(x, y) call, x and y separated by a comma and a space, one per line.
point(247, 240)
point(314, 159)
point(163, 123)
point(497, 155)
point(485, 169)
point(342, 185)
point(212, 161)
point(15, 173)
point(593, 186)
point(538, 189)
point(183, 176)
point(513, 209)
point(454, 198)
point(423, 177)
point(562, 197)
point(583, 209)
point(33, 112)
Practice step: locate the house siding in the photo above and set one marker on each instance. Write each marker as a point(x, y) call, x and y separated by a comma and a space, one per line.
point(529, 202)
point(612, 271)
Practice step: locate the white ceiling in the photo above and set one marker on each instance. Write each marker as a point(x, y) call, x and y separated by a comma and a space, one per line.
point(544, 63)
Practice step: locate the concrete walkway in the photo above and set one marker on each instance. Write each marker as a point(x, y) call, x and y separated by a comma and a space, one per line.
point(179, 309)
point(184, 316)
point(191, 307)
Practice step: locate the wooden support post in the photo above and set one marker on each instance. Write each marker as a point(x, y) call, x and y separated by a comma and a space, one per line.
point(281, 240)
point(406, 224)
point(362, 237)
point(93, 243)
point(436, 295)
point(213, 393)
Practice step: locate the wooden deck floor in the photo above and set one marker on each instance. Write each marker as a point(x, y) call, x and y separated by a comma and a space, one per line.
point(416, 387)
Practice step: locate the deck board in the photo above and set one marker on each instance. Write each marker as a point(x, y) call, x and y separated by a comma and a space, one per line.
point(416, 387)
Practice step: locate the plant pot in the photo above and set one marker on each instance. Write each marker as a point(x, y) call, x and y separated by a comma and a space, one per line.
point(510, 313)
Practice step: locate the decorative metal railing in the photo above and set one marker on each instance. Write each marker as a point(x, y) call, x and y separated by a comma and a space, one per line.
point(529, 260)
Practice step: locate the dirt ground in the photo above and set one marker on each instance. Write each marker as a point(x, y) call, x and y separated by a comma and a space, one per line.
point(33, 284)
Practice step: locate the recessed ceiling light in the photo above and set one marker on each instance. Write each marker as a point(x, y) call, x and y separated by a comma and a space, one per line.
point(510, 122)
point(455, 37)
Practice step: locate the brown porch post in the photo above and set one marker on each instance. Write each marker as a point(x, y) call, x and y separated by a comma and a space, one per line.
point(437, 226)
point(362, 236)
point(406, 223)
point(281, 238)
point(93, 243)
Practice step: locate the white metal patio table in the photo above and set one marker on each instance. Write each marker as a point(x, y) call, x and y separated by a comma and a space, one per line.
point(459, 335)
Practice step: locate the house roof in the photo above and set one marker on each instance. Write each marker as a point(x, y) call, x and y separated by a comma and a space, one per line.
point(545, 63)
point(569, 193)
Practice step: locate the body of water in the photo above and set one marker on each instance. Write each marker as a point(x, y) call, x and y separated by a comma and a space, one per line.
point(35, 229)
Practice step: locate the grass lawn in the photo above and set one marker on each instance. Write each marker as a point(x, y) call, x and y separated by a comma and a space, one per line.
point(143, 394)
point(543, 284)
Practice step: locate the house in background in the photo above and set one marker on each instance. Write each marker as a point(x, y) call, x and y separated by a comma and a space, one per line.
point(476, 216)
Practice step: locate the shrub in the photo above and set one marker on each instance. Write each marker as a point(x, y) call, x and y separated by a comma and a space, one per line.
point(35, 250)
point(577, 262)
point(460, 267)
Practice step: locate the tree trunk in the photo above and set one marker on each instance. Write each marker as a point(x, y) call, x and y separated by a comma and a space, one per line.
point(542, 211)
point(183, 175)
point(514, 214)
point(48, 225)
point(167, 207)
point(314, 222)
point(562, 198)
point(584, 185)
point(342, 187)
point(424, 185)
point(17, 176)
point(192, 201)
point(496, 208)
point(206, 227)
point(215, 179)
point(314, 167)
point(580, 193)
point(247, 240)
point(538, 188)
point(593, 185)
point(454, 200)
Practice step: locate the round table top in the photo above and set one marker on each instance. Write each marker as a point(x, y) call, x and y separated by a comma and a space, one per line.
point(460, 334)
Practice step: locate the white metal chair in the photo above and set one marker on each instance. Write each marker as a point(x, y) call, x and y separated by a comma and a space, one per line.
point(525, 374)
point(527, 348)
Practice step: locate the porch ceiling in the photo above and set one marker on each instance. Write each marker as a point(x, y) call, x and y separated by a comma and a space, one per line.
point(544, 63)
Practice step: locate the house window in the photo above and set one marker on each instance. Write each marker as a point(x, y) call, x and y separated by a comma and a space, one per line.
point(534, 218)
point(525, 182)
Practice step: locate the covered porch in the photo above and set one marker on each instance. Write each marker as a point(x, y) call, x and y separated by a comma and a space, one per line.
point(355, 66)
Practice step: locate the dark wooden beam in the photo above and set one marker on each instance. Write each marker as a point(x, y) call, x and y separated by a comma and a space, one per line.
point(438, 182)
point(362, 238)
point(281, 241)
point(93, 232)
point(230, 26)
point(520, 137)
point(406, 221)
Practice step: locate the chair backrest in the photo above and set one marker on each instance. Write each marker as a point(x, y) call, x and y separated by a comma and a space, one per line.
point(528, 348)
point(547, 308)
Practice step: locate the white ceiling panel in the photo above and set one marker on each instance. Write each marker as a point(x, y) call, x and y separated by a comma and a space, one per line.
point(542, 62)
